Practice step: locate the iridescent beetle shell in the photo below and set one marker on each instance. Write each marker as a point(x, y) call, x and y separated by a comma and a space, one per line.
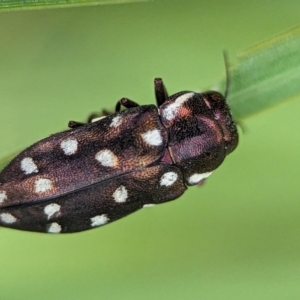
point(99, 172)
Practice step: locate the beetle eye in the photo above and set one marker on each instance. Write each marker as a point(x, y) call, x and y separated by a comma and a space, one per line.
point(215, 96)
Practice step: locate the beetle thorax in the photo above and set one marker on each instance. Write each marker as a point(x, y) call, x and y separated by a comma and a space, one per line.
point(199, 132)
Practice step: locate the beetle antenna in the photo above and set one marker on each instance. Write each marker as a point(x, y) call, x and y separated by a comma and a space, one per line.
point(226, 61)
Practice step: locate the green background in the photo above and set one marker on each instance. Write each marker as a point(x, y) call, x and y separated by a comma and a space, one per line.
point(235, 238)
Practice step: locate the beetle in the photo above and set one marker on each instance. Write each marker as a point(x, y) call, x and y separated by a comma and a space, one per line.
point(95, 173)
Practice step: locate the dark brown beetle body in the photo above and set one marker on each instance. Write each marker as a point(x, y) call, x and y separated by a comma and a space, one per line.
point(99, 172)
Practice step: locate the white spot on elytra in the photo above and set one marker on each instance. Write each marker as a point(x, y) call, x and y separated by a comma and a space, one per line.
point(148, 205)
point(171, 110)
point(120, 194)
point(3, 196)
point(7, 218)
point(196, 178)
point(116, 121)
point(153, 137)
point(51, 209)
point(43, 185)
point(28, 166)
point(54, 228)
point(99, 220)
point(168, 178)
point(69, 146)
point(106, 158)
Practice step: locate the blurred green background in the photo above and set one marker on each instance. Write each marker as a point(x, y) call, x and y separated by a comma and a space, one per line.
point(235, 238)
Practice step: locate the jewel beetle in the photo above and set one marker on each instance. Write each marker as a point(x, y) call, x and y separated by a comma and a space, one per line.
point(101, 171)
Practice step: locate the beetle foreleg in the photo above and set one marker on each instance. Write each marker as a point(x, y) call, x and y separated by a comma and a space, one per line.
point(161, 94)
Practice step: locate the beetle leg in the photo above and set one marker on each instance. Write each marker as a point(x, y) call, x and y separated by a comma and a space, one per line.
point(91, 119)
point(126, 103)
point(161, 94)
point(122, 102)
point(93, 116)
point(75, 124)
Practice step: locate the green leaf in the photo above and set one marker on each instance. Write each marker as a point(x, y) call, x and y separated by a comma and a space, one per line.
point(265, 75)
point(41, 4)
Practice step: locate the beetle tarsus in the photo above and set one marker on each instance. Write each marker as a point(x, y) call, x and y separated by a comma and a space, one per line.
point(127, 103)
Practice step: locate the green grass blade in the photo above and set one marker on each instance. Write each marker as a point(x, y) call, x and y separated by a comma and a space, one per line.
point(265, 75)
point(41, 4)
